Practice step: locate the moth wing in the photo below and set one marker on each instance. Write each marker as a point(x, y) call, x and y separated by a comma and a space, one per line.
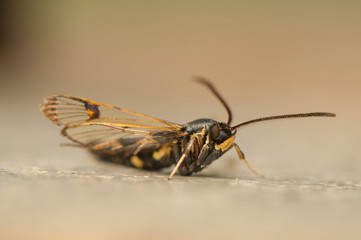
point(71, 110)
point(101, 126)
point(110, 138)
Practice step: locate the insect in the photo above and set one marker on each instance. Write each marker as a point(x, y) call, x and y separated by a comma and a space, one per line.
point(121, 136)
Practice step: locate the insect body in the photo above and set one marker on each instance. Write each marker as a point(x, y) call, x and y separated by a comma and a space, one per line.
point(133, 139)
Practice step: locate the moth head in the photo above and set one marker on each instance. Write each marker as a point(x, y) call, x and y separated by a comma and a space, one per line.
point(220, 132)
point(222, 136)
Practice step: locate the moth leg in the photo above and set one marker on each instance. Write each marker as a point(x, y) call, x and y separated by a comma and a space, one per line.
point(72, 145)
point(140, 147)
point(242, 158)
point(185, 153)
point(142, 144)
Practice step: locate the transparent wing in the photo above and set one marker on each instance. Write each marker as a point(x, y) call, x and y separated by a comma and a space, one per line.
point(70, 110)
point(111, 138)
point(101, 126)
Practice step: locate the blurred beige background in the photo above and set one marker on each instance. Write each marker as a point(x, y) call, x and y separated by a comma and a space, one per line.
point(265, 57)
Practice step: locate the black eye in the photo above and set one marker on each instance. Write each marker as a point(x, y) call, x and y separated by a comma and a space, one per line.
point(215, 131)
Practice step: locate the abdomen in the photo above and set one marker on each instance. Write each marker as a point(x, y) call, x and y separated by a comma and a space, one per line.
point(150, 157)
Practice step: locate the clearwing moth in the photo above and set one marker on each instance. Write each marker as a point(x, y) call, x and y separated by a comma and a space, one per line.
point(121, 136)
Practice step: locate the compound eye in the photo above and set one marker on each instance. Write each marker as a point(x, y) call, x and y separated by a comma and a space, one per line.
point(215, 131)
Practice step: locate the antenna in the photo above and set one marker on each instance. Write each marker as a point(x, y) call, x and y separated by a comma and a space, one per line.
point(211, 87)
point(297, 115)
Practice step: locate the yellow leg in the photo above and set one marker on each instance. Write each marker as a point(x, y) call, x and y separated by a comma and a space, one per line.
point(241, 157)
point(185, 153)
point(177, 166)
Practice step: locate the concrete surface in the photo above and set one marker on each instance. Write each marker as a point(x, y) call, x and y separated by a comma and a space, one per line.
point(40, 203)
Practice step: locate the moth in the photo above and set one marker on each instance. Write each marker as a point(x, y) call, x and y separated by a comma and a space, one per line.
point(125, 137)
